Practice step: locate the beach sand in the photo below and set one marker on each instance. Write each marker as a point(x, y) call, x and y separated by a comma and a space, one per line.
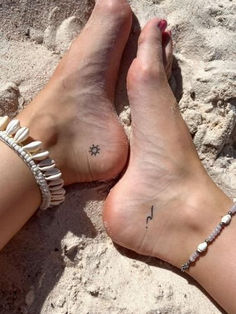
point(62, 262)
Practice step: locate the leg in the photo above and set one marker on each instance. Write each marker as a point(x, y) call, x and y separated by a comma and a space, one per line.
point(166, 204)
point(74, 112)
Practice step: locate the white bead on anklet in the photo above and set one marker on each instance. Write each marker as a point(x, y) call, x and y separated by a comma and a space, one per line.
point(225, 221)
point(47, 177)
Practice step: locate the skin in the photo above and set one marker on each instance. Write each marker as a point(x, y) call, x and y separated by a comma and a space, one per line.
point(173, 201)
point(164, 172)
point(73, 112)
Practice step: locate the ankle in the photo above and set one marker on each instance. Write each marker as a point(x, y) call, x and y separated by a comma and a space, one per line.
point(46, 127)
point(202, 211)
point(43, 126)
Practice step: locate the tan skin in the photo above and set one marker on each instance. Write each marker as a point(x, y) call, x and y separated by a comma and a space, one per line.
point(168, 175)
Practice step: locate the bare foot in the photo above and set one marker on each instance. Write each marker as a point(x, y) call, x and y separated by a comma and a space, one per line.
point(165, 204)
point(74, 115)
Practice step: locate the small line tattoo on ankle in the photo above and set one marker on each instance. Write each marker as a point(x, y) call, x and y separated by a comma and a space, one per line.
point(94, 150)
point(149, 218)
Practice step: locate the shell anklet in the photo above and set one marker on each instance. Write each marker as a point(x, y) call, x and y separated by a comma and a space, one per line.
point(225, 221)
point(47, 176)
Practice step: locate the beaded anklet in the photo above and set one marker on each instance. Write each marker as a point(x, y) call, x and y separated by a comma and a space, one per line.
point(203, 246)
point(42, 167)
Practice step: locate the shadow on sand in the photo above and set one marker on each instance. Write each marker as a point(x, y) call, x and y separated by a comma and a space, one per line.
point(152, 261)
point(34, 257)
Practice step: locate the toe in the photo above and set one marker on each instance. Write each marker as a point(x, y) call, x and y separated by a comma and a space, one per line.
point(119, 8)
point(167, 52)
point(97, 52)
point(147, 84)
point(150, 42)
point(109, 24)
point(149, 65)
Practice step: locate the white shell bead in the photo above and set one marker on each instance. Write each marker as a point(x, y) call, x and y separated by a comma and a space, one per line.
point(53, 174)
point(13, 127)
point(32, 147)
point(53, 192)
point(202, 247)
point(47, 168)
point(41, 155)
point(56, 183)
point(226, 219)
point(21, 135)
point(47, 164)
point(54, 177)
point(4, 122)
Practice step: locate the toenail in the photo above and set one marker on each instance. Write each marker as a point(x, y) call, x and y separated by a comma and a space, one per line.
point(162, 25)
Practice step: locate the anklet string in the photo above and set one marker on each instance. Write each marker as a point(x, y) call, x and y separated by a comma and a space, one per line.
point(47, 177)
point(225, 221)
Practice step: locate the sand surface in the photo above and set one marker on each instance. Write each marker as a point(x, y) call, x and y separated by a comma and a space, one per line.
point(62, 262)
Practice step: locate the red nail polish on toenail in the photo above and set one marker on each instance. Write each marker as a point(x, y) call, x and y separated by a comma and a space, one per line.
point(162, 25)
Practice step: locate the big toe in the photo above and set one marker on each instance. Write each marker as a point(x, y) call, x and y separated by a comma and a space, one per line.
point(101, 43)
point(154, 56)
point(96, 53)
point(150, 41)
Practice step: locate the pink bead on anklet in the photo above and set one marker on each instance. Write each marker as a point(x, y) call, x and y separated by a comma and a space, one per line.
point(46, 175)
point(225, 221)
